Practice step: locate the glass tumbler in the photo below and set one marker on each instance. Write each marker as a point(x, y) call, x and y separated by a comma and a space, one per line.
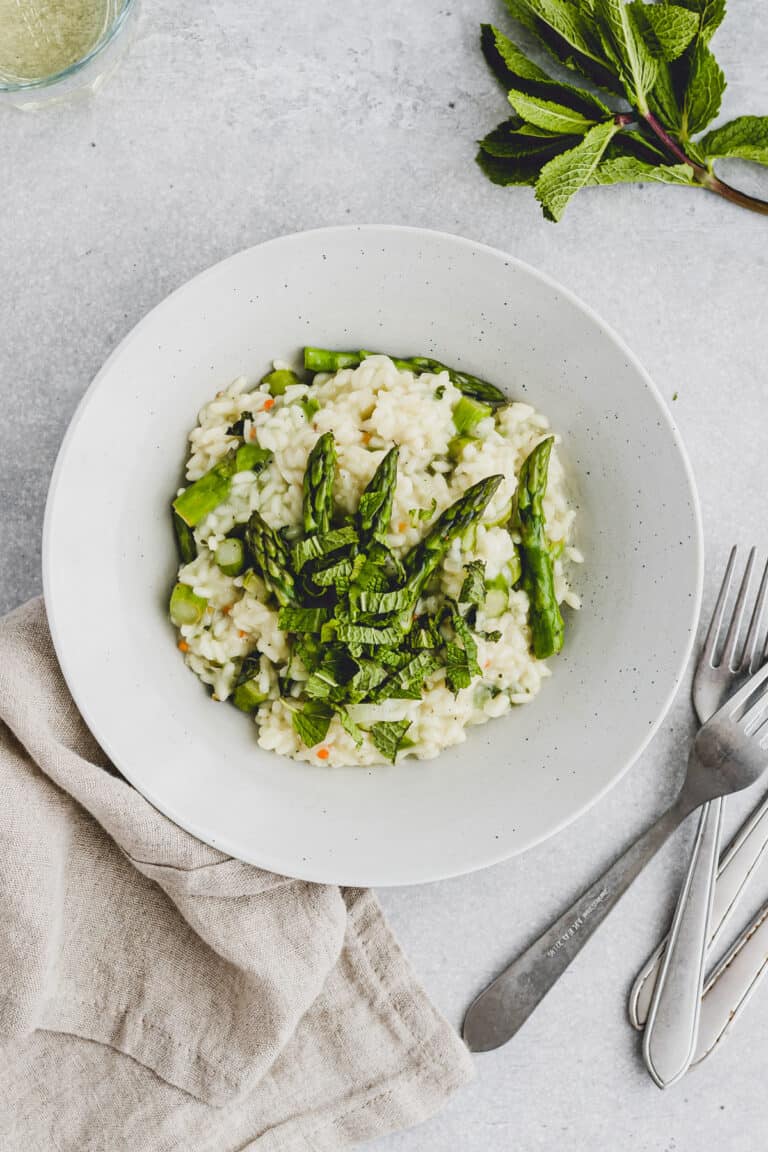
point(50, 49)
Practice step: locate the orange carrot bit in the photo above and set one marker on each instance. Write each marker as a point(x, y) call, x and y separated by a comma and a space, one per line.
point(366, 437)
point(268, 403)
point(227, 609)
point(322, 753)
point(253, 434)
point(183, 646)
point(241, 634)
point(487, 664)
point(402, 526)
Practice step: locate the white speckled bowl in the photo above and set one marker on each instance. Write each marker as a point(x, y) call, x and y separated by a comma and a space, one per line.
point(109, 557)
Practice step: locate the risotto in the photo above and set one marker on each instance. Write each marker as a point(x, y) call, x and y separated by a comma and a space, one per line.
point(374, 556)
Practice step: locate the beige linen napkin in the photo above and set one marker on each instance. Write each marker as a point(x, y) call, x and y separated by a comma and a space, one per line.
point(157, 995)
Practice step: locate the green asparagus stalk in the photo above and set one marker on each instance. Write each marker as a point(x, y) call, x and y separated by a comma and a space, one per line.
point(212, 489)
point(270, 556)
point(421, 561)
point(538, 576)
point(318, 485)
point(185, 539)
point(375, 508)
point(326, 360)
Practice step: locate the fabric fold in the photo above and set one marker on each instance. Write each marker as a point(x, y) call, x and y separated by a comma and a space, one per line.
point(166, 980)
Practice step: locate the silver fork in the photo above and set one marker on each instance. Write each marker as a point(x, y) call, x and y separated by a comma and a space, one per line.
point(730, 752)
point(675, 972)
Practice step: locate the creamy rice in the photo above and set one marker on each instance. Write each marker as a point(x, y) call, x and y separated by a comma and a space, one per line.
point(369, 409)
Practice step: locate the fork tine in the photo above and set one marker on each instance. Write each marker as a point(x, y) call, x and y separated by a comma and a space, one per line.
point(750, 644)
point(745, 693)
point(715, 624)
point(732, 637)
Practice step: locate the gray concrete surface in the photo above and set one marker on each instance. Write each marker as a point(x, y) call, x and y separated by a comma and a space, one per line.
point(231, 122)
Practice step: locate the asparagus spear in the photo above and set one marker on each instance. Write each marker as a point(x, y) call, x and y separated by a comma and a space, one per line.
point(326, 360)
point(375, 508)
point(538, 577)
point(422, 560)
point(270, 555)
point(318, 485)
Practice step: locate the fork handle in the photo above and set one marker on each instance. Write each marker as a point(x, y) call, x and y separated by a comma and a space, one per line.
point(673, 1020)
point(505, 1005)
point(738, 865)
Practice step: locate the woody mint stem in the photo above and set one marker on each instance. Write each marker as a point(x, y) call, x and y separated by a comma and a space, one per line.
point(703, 176)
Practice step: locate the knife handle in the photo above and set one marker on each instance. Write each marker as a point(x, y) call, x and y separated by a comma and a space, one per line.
point(505, 1005)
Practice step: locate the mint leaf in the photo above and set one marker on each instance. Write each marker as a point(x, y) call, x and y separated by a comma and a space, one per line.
point(629, 170)
point(563, 18)
point(292, 619)
point(349, 726)
point(745, 138)
point(706, 84)
point(506, 60)
point(388, 736)
point(548, 114)
point(473, 590)
point(710, 15)
point(566, 174)
point(626, 48)
point(312, 722)
point(457, 670)
point(667, 28)
point(508, 171)
point(511, 139)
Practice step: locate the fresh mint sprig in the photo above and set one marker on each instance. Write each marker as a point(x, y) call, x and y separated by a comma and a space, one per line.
point(660, 88)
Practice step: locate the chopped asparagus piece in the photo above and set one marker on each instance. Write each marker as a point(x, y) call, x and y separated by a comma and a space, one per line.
point(468, 413)
point(185, 607)
point(230, 556)
point(279, 380)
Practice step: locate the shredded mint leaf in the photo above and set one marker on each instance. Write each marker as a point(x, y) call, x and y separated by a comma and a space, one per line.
point(492, 637)
point(418, 514)
point(388, 736)
point(349, 726)
point(334, 576)
point(439, 391)
point(292, 619)
point(361, 633)
point(409, 678)
point(566, 174)
point(313, 547)
point(473, 590)
point(312, 723)
point(745, 138)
